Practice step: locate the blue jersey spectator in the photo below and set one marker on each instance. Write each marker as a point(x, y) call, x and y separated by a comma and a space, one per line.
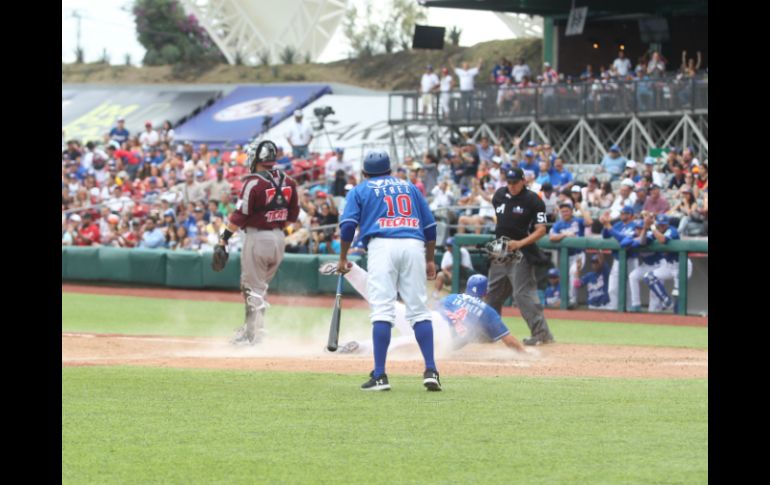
point(614, 163)
point(560, 177)
point(552, 292)
point(529, 163)
point(120, 134)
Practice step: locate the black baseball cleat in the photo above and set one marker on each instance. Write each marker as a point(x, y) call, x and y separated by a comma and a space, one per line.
point(376, 384)
point(540, 340)
point(430, 380)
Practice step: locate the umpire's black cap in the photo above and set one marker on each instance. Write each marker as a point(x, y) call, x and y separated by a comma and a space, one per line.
point(514, 175)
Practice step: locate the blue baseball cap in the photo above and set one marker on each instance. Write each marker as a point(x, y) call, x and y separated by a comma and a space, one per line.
point(532, 143)
point(529, 153)
point(662, 219)
point(649, 160)
point(627, 210)
point(514, 175)
point(615, 148)
point(449, 241)
point(553, 273)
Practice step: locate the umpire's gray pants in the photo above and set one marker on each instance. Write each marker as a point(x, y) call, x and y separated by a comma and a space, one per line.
point(517, 279)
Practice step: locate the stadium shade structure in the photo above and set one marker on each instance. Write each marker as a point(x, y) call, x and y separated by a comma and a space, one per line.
point(250, 27)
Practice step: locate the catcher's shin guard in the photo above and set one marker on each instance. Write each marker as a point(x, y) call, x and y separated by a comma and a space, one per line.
point(253, 328)
point(656, 286)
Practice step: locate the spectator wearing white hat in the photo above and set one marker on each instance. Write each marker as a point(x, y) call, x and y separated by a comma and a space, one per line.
point(631, 171)
point(299, 136)
point(625, 197)
point(149, 137)
point(71, 230)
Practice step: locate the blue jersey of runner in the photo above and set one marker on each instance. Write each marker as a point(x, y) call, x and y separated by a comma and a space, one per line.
point(387, 207)
point(471, 320)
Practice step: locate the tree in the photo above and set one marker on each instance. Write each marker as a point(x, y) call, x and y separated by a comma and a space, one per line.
point(128, 59)
point(363, 34)
point(454, 35)
point(288, 55)
point(105, 59)
point(264, 57)
point(79, 55)
point(404, 15)
point(170, 36)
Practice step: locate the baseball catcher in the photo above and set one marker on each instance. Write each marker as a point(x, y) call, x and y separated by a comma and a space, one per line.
point(267, 203)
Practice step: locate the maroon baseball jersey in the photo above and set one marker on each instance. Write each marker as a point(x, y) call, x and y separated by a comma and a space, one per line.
point(257, 206)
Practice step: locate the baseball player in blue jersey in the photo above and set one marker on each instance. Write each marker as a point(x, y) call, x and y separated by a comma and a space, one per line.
point(596, 282)
point(622, 229)
point(648, 262)
point(459, 319)
point(553, 291)
point(570, 226)
point(668, 265)
point(399, 231)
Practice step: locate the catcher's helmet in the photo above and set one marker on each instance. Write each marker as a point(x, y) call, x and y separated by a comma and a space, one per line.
point(476, 286)
point(263, 153)
point(377, 162)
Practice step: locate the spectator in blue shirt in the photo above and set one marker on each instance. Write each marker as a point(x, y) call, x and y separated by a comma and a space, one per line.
point(529, 162)
point(120, 133)
point(485, 150)
point(153, 237)
point(560, 177)
point(614, 163)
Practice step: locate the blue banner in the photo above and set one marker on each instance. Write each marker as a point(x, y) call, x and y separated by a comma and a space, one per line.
point(239, 116)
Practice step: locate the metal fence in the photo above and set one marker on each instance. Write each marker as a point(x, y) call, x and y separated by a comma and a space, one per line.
point(562, 101)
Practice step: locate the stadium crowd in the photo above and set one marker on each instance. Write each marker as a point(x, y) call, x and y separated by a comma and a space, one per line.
point(605, 88)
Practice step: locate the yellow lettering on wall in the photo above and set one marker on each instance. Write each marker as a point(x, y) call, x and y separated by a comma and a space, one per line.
point(100, 120)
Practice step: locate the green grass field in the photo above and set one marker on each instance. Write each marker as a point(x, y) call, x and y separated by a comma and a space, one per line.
point(143, 425)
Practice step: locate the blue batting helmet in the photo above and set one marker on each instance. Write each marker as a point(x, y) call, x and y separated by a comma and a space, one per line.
point(377, 162)
point(476, 286)
point(553, 273)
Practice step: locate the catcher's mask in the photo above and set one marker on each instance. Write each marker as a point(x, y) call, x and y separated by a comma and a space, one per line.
point(498, 253)
point(263, 153)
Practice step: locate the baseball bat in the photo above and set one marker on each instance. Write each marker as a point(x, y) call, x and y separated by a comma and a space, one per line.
point(334, 329)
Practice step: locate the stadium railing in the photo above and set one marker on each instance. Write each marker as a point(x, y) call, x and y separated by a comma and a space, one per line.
point(561, 101)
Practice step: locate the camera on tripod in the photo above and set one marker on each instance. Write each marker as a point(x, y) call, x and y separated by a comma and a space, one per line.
point(323, 111)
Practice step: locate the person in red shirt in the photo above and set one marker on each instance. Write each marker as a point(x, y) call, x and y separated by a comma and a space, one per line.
point(268, 202)
point(88, 232)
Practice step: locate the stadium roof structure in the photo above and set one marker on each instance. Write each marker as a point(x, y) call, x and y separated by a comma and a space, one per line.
point(597, 9)
point(247, 28)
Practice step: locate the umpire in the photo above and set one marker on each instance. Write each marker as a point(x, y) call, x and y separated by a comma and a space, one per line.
point(518, 210)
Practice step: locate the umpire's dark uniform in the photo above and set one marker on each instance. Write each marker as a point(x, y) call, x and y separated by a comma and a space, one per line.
point(516, 217)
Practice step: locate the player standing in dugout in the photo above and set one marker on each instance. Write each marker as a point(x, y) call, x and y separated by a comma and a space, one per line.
point(521, 217)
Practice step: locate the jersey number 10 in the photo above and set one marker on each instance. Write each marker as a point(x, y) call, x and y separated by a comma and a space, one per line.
point(404, 205)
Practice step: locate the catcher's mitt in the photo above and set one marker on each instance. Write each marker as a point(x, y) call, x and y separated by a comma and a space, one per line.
point(498, 252)
point(219, 260)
